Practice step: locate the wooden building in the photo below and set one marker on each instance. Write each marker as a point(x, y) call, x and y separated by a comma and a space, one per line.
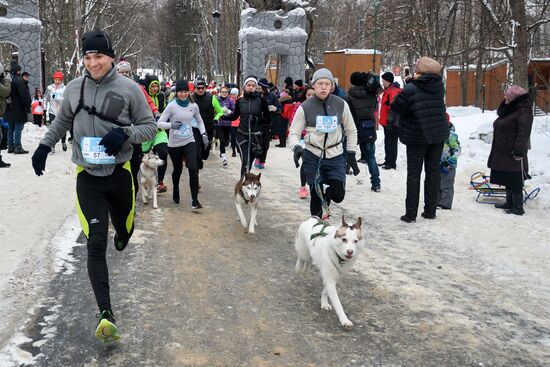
point(539, 82)
point(344, 62)
point(494, 79)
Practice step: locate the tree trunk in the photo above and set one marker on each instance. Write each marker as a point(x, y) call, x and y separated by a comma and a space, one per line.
point(520, 55)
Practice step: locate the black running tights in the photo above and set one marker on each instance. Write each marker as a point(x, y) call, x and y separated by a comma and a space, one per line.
point(177, 154)
point(99, 197)
point(334, 192)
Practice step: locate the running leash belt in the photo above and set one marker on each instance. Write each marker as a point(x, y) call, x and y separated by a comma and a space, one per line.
point(92, 110)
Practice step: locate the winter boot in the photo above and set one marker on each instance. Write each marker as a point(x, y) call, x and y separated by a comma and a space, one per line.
point(508, 203)
point(3, 164)
point(11, 149)
point(517, 204)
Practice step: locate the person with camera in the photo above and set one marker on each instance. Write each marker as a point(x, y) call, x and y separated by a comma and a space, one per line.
point(5, 90)
point(363, 103)
point(329, 125)
point(55, 93)
point(423, 128)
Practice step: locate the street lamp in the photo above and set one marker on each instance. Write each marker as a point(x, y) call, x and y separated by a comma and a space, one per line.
point(216, 15)
point(375, 35)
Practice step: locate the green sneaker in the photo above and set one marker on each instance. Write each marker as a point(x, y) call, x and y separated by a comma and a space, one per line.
point(120, 243)
point(106, 330)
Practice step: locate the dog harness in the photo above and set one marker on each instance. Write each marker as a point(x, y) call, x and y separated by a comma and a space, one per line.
point(322, 232)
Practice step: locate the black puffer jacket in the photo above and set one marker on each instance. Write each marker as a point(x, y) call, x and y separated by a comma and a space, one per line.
point(421, 108)
point(511, 133)
point(362, 104)
point(20, 106)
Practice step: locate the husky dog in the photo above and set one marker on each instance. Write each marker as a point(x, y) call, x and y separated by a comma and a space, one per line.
point(333, 250)
point(247, 191)
point(147, 177)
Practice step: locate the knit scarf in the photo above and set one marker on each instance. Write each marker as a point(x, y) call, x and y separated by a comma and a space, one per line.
point(182, 103)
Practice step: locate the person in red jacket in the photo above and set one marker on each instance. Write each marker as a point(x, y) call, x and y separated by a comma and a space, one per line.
point(391, 89)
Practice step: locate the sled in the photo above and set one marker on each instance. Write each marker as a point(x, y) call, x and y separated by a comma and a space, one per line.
point(488, 193)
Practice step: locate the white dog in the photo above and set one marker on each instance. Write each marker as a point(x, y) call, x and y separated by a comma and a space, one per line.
point(333, 251)
point(247, 191)
point(147, 177)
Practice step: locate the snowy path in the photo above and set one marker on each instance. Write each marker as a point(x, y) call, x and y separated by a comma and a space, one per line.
point(473, 282)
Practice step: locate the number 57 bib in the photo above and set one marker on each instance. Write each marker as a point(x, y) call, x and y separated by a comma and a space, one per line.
point(326, 124)
point(94, 153)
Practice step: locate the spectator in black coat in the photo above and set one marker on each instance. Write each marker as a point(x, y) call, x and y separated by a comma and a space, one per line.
point(423, 129)
point(508, 158)
point(18, 110)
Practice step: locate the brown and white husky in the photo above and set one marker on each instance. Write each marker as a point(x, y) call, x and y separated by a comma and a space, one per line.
point(247, 191)
point(333, 250)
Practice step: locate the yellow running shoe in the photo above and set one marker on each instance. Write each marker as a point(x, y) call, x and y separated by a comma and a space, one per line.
point(106, 330)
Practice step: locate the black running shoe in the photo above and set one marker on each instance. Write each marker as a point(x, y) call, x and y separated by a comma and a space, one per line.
point(120, 243)
point(196, 205)
point(176, 196)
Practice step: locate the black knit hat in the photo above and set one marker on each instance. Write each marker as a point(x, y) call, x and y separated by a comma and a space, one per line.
point(200, 83)
point(182, 85)
point(15, 67)
point(263, 83)
point(97, 41)
point(357, 78)
point(388, 76)
point(299, 83)
point(288, 81)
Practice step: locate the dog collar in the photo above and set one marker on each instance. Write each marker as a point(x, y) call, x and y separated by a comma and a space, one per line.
point(340, 260)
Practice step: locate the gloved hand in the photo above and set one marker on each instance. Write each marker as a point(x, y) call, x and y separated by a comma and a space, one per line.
point(352, 163)
point(226, 111)
point(205, 140)
point(39, 159)
point(298, 153)
point(157, 115)
point(175, 125)
point(216, 122)
point(517, 156)
point(113, 141)
point(445, 167)
point(272, 108)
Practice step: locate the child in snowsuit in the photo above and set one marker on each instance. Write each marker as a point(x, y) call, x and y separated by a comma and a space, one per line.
point(451, 151)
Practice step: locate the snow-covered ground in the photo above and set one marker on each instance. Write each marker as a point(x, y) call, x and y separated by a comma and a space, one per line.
point(38, 224)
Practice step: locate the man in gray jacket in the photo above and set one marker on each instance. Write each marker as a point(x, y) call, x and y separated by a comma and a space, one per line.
point(108, 113)
point(329, 125)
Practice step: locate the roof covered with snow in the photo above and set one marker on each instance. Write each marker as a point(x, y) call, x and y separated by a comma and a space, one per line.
point(354, 51)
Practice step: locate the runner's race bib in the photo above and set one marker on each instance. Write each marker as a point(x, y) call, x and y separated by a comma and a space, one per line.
point(326, 124)
point(184, 132)
point(94, 153)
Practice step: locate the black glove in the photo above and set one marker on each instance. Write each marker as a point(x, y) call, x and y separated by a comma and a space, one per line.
point(113, 141)
point(352, 163)
point(517, 156)
point(205, 140)
point(39, 159)
point(298, 153)
point(175, 125)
